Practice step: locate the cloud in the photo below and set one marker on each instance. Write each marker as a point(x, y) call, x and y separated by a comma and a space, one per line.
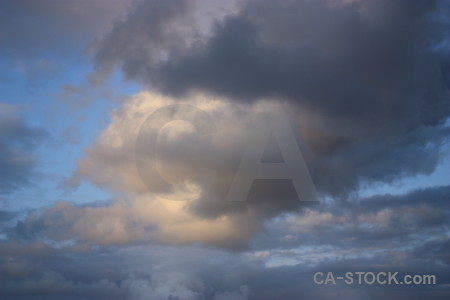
point(386, 221)
point(366, 78)
point(368, 99)
point(294, 49)
point(73, 271)
point(402, 233)
point(365, 86)
point(159, 29)
point(133, 273)
point(241, 294)
point(37, 27)
point(142, 214)
point(18, 142)
point(200, 167)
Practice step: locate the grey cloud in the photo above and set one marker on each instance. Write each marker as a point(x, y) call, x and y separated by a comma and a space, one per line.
point(363, 79)
point(366, 236)
point(365, 54)
point(145, 35)
point(370, 101)
point(188, 157)
point(435, 250)
point(369, 73)
point(154, 31)
point(31, 271)
point(381, 223)
point(347, 61)
point(209, 163)
point(36, 270)
point(17, 159)
point(39, 27)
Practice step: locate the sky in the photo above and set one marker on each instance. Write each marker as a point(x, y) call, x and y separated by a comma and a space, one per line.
point(125, 124)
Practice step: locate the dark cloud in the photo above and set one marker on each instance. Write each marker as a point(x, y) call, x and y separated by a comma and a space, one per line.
point(349, 61)
point(370, 72)
point(6, 219)
point(17, 144)
point(31, 269)
point(387, 221)
point(50, 273)
point(390, 233)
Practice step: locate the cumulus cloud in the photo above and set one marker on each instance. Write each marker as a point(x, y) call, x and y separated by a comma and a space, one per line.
point(159, 29)
point(368, 76)
point(201, 169)
point(142, 213)
point(373, 128)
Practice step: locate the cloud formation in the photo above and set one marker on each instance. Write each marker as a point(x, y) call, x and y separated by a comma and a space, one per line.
point(370, 236)
point(17, 144)
point(201, 169)
point(368, 78)
point(365, 86)
point(38, 27)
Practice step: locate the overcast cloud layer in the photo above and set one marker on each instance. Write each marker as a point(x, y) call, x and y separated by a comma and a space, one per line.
point(364, 86)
